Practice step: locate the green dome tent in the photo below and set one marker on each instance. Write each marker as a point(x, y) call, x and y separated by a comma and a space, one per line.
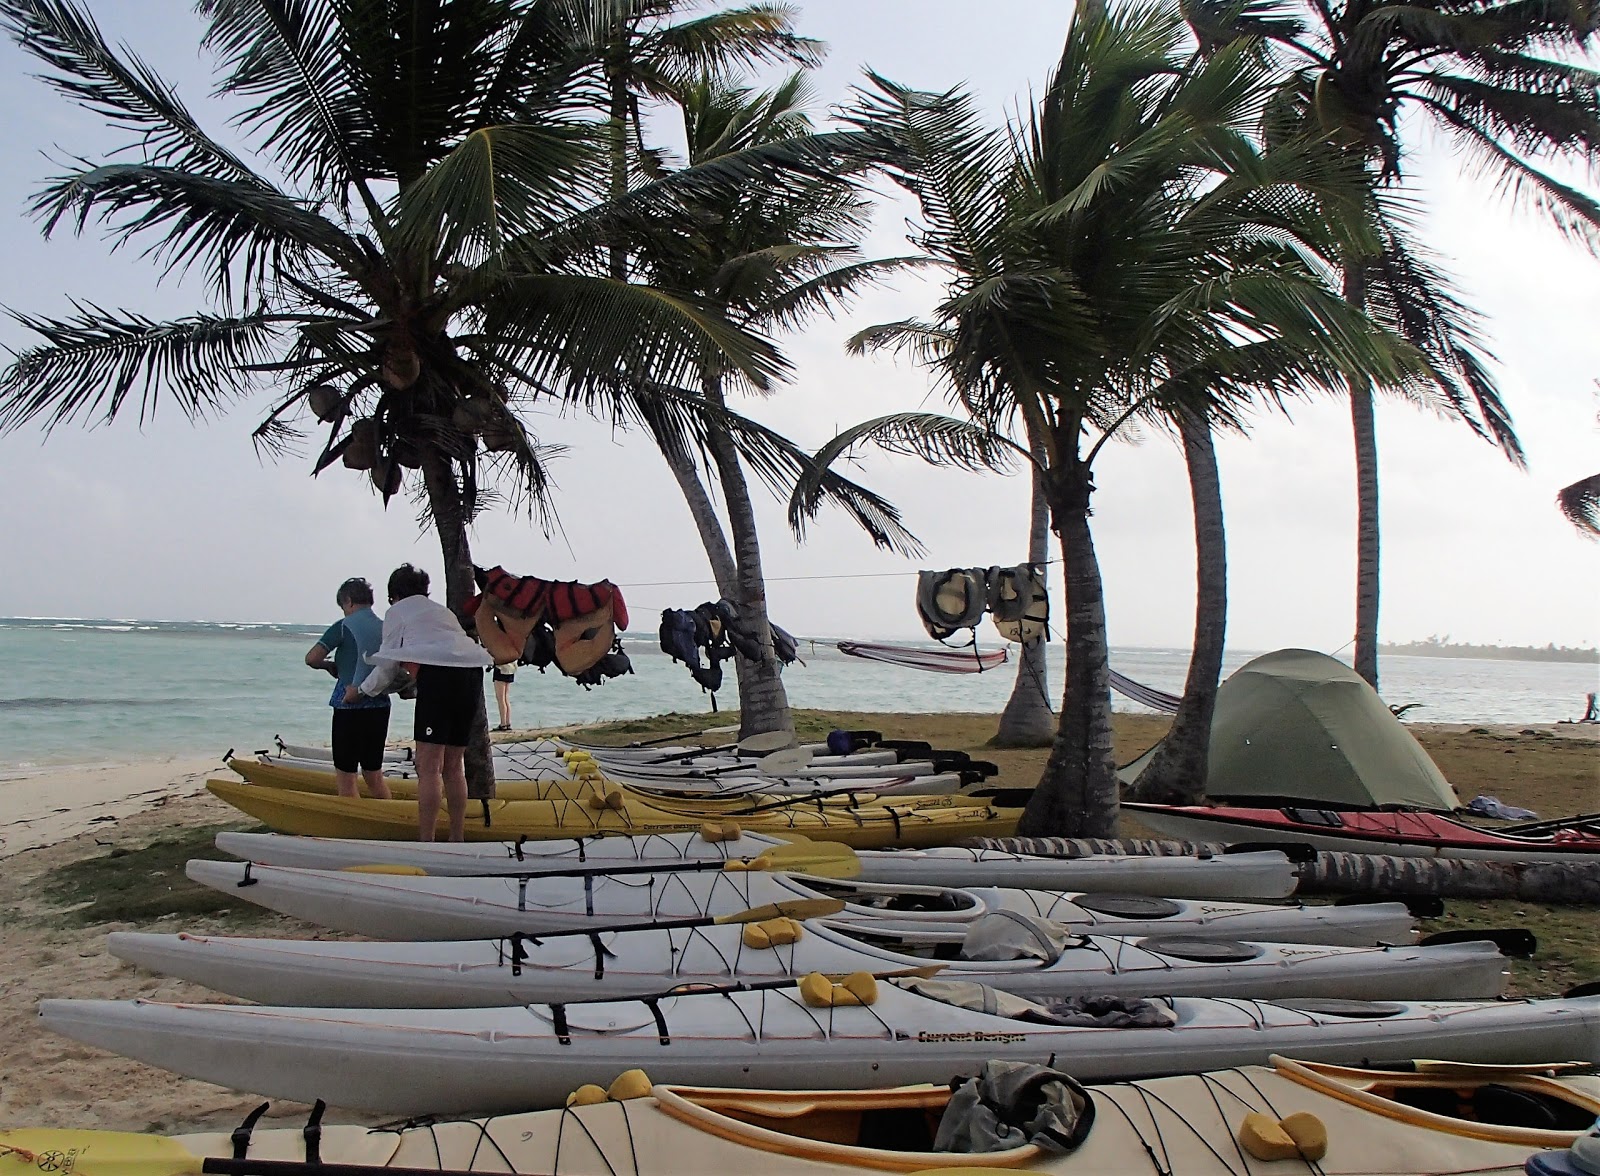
point(1303, 727)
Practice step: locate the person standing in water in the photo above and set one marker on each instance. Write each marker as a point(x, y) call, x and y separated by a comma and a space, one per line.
point(504, 675)
point(420, 632)
point(361, 726)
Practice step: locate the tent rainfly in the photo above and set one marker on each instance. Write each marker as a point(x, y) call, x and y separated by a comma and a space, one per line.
point(1302, 727)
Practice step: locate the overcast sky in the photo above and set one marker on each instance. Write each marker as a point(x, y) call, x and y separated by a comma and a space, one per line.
point(178, 522)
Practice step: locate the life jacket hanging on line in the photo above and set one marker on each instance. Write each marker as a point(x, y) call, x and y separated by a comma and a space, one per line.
point(1019, 602)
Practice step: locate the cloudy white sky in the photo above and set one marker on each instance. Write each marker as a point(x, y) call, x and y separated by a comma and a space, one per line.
point(178, 522)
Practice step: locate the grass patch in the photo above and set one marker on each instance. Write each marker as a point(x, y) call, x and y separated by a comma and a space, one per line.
point(124, 885)
point(1569, 950)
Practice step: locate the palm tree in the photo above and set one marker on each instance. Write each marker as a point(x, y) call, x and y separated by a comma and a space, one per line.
point(408, 255)
point(766, 263)
point(1499, 81)
point(1127, 234)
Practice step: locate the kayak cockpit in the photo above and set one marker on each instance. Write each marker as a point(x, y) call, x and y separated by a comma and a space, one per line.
point(888, 1130)
point(1505, 1104)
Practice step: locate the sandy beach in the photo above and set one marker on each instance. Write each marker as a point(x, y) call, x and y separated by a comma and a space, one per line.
point(54, 821)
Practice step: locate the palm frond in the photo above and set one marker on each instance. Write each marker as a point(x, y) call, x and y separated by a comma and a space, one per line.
point(123, 90)
point(501, 184)
point(287, 58)
point(684, 422)
point(90, 365)
point(1580, 502)
point(596, 336)
point(936, 439)
point(227, 227)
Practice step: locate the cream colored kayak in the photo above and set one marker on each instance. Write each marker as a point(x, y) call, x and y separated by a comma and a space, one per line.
point(397, 906)
point(1180, 1126)
point(799, 1037)
point(1028, 957)
point(1265, 875)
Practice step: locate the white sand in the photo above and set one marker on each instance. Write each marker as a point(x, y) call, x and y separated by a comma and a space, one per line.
point(55, 804)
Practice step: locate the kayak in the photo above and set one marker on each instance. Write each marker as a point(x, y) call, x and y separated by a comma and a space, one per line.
point(865, 827)
point(274, 772)
point(1262, 875)
point(789, 1036)
point(513, 782)
point(1478, 1119)
point(1027, 957)
point(1404, 834)
point(407, 907)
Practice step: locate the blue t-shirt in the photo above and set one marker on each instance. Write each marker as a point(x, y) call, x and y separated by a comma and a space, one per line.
point(350, 640)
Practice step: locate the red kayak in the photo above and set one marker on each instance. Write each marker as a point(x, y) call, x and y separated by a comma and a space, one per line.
point(1407, 834)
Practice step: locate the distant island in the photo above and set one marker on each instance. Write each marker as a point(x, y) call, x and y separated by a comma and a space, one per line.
point(1444, 647)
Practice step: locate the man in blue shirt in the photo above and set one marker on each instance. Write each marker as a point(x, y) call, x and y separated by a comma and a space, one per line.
point(360, 728)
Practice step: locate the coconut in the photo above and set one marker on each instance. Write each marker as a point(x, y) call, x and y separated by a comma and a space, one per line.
point(362, 451)
point(325, 401)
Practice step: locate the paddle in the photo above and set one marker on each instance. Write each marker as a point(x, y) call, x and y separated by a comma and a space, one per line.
point(679, 735)
point(794, 908)
point(825, 859)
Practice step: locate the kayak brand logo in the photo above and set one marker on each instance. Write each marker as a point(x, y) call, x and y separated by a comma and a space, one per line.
point(976, 1036)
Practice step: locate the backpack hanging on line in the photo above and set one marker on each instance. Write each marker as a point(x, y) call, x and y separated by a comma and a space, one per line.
point(951, 600)
point(1019, 602)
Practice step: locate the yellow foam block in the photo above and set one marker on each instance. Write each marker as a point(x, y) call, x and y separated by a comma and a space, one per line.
point(734, 865)
point(771, 932)
point(587, 1095)
point(630, 1084)
point(606, 796)
point(1264, 1138)
point(715, 831)
point(1310, 1134)
point(820, 992)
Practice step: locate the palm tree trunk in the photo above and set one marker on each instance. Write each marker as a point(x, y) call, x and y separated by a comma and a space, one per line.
point(1077, 794)
point(1366, 443)
point(763, 701)
point(1028, 720)
point(450, 521)
point(1177, 772)
point(704, 514)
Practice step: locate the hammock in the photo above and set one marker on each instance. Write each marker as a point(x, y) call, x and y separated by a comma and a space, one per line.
point(1146, 695)
point(955, 661)
point(943, 661)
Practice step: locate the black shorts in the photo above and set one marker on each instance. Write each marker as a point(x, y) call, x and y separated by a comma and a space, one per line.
point(359, 734)
point(449, 699)
point(508, 676)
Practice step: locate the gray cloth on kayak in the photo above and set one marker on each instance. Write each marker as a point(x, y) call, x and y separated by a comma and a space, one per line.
point(1011, 1104)
point(1101, 1011)
point(1111, 1012)
point(1012, 935)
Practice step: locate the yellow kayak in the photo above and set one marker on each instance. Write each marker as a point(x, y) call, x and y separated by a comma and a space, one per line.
point(404, 787)
point(867, 826)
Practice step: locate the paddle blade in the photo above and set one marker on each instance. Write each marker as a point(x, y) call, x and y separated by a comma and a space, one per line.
point(790, 760)
point(98, 1153)
point(385, 868)
point(795, 908)
point(824, 859)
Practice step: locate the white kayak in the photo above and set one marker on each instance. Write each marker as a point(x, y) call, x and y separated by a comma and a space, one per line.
point(1004, 950)
point(409, 907)
point(449, 1061)
point(1265, 875)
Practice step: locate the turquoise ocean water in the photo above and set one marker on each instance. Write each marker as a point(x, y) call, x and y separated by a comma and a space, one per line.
point(106, 691)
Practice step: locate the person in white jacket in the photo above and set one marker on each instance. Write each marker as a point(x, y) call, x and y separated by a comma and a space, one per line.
point(449, 671)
